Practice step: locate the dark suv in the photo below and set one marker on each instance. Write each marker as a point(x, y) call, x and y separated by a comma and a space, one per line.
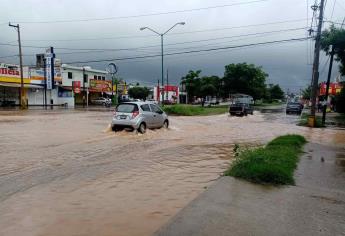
point(241, 109)
point(294, 107)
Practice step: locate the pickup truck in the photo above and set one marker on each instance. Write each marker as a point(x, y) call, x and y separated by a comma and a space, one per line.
point(241, 109)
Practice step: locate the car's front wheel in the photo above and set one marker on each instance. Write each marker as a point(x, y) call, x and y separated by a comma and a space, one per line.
point(142, 128)
point(166, 124)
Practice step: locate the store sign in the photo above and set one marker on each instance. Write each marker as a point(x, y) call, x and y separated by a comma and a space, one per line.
point(49, 56)
point(100, 85)
point(76, 86)
point(334, 88)
point(6, 71)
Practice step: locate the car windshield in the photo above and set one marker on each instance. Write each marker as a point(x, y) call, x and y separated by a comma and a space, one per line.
point(293, 104)
point(126, 108)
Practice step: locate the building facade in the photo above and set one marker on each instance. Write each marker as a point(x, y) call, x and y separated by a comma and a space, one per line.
point(92, 83)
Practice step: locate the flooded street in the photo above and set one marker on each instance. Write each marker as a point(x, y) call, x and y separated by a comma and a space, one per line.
point(65, 173)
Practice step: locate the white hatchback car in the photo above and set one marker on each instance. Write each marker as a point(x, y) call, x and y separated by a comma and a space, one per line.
point(139, 116)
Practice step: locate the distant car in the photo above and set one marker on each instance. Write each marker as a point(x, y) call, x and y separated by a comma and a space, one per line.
point(241, 109)
point(152, 101)
point(101, 101)
point(294, 107)
point(213, 101)
point(139, 116)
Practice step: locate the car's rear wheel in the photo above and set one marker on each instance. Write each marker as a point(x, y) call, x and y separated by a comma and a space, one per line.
point(142, 128)
point(166, 124)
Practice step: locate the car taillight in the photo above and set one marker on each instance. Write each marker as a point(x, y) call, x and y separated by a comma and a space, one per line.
point(114, 113)
point(135, 114)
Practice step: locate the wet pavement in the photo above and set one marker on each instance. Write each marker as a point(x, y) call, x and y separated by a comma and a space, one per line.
point(315, 206)
point(63, 172)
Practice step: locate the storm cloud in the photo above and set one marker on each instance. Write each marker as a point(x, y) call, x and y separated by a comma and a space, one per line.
point(73, 25)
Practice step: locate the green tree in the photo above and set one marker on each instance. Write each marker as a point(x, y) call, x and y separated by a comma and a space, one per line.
point(336, 37)
point(192, 83)
point(276, 92)
point(138, 92)
point(245, 78)
point(306, 93)
point(209, 86)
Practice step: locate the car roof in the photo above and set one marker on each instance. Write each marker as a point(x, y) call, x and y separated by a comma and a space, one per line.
point(137, 103)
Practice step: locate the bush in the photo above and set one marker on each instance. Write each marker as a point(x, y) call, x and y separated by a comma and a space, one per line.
point(273, 164)
point(190, 110)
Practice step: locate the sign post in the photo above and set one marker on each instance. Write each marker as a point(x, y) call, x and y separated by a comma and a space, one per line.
point(112, 70)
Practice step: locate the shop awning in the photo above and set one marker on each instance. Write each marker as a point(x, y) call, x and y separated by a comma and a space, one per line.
point(16, 85)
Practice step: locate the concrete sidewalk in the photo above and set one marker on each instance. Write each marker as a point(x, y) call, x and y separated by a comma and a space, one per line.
point(315, 206)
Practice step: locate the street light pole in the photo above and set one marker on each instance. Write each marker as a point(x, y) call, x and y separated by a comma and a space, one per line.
point(162, 51)
point(84, 87)
point(21, 90)
point(162, 69)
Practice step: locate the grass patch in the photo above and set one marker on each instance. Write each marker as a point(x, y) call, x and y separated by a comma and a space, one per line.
point(304, 121)
point(272, 164)
point(190, 110)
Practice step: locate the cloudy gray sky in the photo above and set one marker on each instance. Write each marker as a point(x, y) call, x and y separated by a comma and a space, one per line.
point(77, 28)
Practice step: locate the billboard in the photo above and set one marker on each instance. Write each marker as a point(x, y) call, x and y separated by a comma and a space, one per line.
point(100, 85)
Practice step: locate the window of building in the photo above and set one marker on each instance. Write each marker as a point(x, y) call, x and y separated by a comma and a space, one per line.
point(70, 75)
point(103, 77)
point(95, 76)
point(99, 77)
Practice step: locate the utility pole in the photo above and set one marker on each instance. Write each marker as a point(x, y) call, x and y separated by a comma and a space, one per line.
point(158, 93)
point(84, 87)
point(315, 78)
point(167, 84)
point(327, 86)
point(21, 90)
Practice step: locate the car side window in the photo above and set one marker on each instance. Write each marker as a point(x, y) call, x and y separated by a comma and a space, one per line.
point(145, 107)
point(154, 108)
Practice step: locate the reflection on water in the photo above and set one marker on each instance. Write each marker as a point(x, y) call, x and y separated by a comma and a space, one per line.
point(66, 173)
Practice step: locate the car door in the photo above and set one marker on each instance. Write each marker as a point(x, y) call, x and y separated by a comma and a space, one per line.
point(147, 115)
point(158, 118)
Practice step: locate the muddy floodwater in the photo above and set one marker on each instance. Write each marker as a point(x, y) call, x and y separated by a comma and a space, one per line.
point(65, 173)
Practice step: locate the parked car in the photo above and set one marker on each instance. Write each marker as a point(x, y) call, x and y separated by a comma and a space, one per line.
point(294, 107)
point(213, 101)
point(101, 101)
point(139, 116)
point(152, 101)
point(241, 109)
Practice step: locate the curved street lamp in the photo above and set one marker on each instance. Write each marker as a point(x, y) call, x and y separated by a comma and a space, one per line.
point(162, 54)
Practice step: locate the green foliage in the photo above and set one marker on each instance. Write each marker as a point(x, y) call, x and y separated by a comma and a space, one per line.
point(245, 78)
point(340, 101)
point(306, 93)
point(273, 164)
point(275, 92)
point(192, 83)
point(200, 87)
point(190, 110)
point(336, 37)
point(138, 92)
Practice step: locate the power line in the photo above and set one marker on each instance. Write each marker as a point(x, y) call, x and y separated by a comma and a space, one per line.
point(141, 15)
point(333, 9)
point(143, 47)
point(191, 51)
point(185, 32)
